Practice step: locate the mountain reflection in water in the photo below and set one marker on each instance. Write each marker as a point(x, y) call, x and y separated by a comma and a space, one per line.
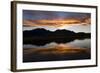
point(75, 50)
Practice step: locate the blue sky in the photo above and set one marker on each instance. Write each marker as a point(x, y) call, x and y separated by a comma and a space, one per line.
point(37, 15)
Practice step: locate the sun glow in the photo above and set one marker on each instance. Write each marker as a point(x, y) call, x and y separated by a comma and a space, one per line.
point(62, 26)
point(56, 22)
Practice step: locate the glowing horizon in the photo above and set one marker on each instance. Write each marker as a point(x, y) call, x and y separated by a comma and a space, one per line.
point(53, 20)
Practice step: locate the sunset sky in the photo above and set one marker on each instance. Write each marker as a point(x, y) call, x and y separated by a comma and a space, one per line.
point(54, 20)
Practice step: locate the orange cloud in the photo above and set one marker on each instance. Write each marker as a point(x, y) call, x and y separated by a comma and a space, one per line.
point(56, 22)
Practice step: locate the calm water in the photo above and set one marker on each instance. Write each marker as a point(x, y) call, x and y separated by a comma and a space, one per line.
point(53, 51)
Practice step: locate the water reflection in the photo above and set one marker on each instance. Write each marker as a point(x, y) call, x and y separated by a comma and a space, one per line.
point(52, 51)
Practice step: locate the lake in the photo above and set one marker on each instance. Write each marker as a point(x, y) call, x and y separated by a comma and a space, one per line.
point(77, 49)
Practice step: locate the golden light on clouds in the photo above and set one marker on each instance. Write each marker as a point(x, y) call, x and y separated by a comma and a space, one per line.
point(56, 22)
point(65, 21)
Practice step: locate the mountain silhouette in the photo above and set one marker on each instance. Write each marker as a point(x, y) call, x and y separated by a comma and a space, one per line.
point(41, 32)
point(42, 36)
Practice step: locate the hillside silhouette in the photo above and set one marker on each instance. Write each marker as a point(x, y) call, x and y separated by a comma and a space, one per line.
point(42, 36)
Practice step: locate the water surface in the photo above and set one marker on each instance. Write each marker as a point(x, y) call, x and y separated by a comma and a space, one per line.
point(57, 51)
